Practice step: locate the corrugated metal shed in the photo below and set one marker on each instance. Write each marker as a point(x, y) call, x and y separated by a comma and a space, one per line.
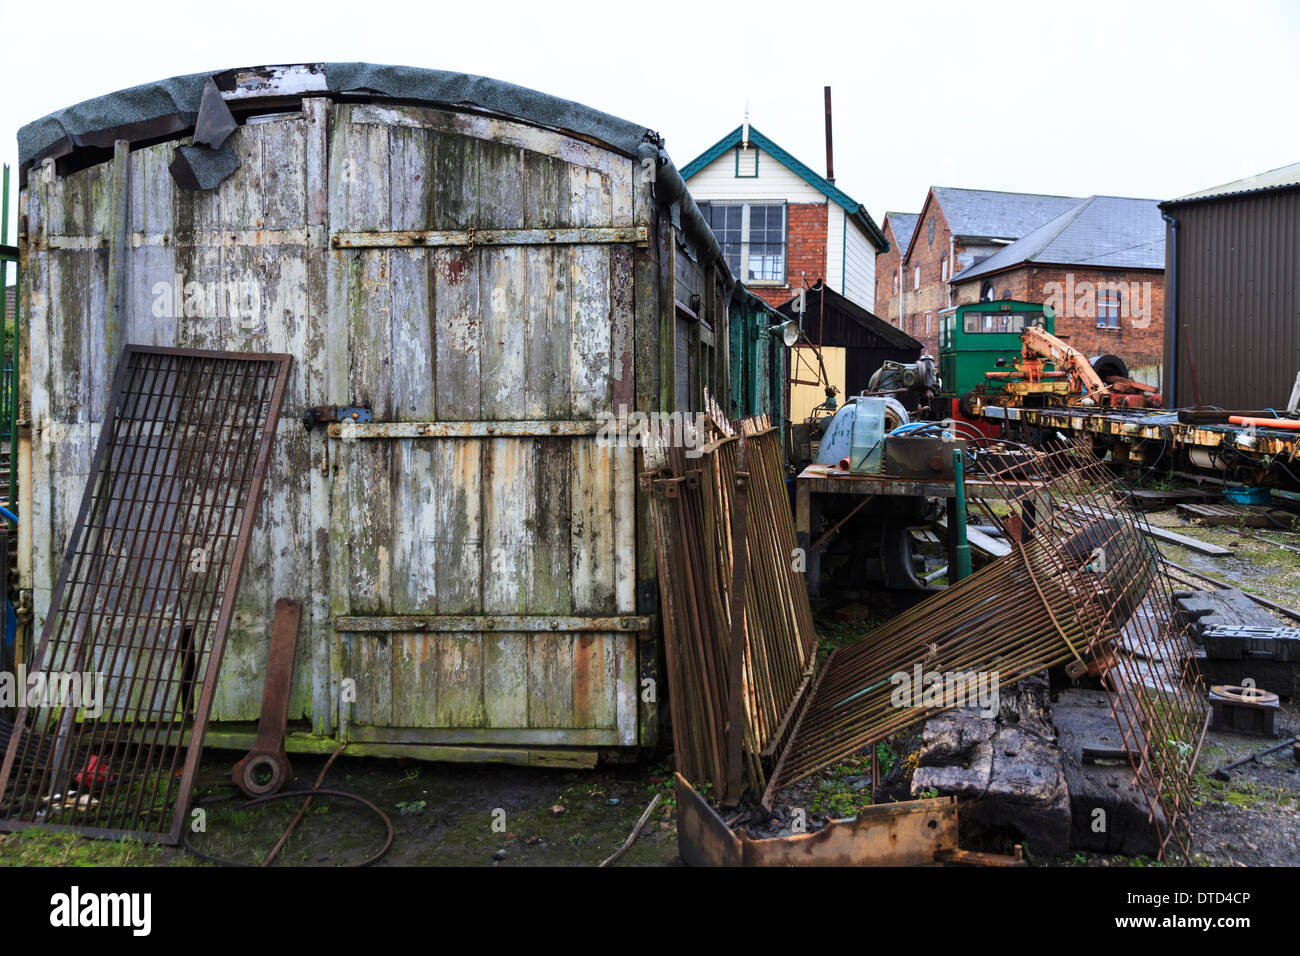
point(1273, 179)
point(1232, 284)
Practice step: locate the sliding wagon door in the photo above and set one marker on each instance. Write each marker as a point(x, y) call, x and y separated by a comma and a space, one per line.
point(482, 545)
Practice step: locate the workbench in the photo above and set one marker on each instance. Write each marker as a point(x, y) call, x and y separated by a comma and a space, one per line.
point(817, 480)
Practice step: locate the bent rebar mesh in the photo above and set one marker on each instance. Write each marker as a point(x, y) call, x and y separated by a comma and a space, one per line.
point(1084, 587)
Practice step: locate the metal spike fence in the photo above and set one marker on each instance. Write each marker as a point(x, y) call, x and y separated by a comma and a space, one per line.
point(144, 598)
point(728, 576)
point(1083, 587)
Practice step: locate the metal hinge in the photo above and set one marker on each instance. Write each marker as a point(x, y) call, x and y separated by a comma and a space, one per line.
point(23, 610)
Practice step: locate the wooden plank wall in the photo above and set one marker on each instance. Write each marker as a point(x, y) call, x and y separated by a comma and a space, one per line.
point(393, 526)
point(484, 526)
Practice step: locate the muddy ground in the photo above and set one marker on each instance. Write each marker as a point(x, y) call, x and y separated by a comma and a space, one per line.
point(450, 815)
point(462, 815)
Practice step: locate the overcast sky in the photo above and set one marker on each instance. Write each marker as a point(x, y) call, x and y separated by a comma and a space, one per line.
point(1120, 98)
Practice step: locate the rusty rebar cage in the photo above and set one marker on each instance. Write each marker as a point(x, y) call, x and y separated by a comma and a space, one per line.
point(1083, 587)
point(145, 596)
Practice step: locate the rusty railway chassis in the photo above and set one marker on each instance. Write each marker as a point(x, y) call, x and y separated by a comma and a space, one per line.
point(1201, 441)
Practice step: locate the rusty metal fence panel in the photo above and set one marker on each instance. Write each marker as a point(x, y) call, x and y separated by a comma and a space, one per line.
point(133, 642)
point(728, 577)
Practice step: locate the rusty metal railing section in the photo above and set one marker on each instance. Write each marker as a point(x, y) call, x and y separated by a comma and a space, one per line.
point(729, 577)
point(1084, 587)
point(131, 648)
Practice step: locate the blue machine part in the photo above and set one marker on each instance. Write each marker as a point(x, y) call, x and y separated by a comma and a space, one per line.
point(838, 439)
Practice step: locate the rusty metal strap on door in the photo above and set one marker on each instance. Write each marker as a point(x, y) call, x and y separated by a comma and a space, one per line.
point(478, 623)
point(139, 613)
point(544, 428)
point(428, 239)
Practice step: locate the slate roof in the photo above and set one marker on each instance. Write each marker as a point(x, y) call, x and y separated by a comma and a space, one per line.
point(1103, 231)
point(904, 225)
point(988, 214)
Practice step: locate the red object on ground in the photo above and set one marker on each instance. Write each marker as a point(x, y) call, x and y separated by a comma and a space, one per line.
point(94, 774)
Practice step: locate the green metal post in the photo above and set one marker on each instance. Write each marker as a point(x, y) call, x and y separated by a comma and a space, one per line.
point(958, 521)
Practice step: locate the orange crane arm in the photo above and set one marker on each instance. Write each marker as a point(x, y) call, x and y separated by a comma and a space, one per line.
point(1039, 343)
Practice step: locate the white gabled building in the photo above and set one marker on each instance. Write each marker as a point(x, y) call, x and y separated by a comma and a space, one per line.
point(779, 222)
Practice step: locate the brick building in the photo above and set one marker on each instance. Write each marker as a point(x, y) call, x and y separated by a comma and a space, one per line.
point(955, 229)
point(780, 224)
point(898, 228)
point(1100, 265)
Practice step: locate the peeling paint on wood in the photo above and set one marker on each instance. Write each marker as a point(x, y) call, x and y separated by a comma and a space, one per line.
point(479, 588)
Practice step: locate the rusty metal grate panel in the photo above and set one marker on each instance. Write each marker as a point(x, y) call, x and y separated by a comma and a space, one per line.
point(139, 614)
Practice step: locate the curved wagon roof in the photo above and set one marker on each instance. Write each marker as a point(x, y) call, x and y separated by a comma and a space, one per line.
point(168, 108)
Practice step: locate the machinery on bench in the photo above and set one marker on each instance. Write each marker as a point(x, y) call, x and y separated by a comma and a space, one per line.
point(1070, 380)
point(877, 479)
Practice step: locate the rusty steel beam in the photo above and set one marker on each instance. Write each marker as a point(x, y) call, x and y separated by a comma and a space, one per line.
point(1178, 434)
point(914, 833)
point(265, 768)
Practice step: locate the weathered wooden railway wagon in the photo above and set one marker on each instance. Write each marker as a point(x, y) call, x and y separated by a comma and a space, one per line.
point(491, 272)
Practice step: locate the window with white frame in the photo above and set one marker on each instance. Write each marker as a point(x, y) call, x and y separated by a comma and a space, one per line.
point(916, 278)
point(1108, 308)
point(751, 235)
point(943, 269)
point(895, 283)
